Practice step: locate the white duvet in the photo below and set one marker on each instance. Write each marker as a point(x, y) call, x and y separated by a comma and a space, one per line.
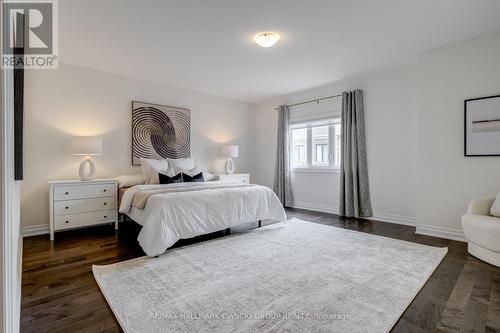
point(191, 209)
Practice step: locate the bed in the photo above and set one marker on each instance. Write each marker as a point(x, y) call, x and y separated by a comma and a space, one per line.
point(171, 212)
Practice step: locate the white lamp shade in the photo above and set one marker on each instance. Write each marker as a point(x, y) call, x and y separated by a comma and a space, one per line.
point(229, 151)
point(86, 145)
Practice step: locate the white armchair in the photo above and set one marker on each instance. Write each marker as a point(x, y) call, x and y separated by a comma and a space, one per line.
point(482, 231)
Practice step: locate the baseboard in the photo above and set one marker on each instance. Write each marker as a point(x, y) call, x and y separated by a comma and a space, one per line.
point(428, 230)
point(392, 218)
point(316, 207)
point(42, 229)
point(383, 217)
point(35, 230)
point(441, 232)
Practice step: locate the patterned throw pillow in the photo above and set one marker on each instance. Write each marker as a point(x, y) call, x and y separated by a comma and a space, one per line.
point(164, 179)
point(196, 178)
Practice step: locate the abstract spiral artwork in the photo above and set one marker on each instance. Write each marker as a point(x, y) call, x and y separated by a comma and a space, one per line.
point(482, 126)
point(159, 131)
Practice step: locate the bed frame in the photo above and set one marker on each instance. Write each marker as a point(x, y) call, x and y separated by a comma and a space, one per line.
point(124, 217)
point(228, 230)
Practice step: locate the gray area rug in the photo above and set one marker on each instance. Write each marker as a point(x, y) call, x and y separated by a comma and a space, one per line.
point(295, 277)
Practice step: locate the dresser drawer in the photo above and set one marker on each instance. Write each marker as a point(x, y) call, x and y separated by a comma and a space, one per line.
point(244, 179)
point(72, 192)
point(83, 205)
point(84, 219)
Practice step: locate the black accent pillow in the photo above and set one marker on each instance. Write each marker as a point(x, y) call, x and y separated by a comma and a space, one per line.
point(164, 179)
point(195, 178)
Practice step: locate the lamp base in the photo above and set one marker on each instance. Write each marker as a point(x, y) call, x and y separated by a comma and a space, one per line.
point(229, 166)
point(90, 174)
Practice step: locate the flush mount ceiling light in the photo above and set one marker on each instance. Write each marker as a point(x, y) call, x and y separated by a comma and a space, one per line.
point(266, 39)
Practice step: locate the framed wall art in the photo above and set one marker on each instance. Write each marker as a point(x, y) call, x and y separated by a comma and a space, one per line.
point(159, 131)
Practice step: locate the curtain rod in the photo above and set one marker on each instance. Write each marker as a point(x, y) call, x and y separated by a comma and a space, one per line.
point(312, 100)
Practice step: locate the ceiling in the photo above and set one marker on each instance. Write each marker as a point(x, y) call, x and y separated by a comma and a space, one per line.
point(207, 46)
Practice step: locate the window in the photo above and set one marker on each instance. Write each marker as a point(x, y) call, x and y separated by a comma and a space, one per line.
point(300, 154)
point(320, 140)
point(316, 145)
point(299, 142)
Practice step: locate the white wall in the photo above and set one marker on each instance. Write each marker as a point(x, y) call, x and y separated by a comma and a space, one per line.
point(448, 180)
point(10, 241)
point(77, 101)
point(391, 129)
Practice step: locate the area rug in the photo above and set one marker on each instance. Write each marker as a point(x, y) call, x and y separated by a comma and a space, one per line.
point(294, 277)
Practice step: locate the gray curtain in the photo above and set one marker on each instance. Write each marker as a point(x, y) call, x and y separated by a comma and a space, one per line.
point(354, 187)
point(282, 173)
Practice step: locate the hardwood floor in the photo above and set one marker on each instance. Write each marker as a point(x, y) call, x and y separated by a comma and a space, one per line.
point(59, 293)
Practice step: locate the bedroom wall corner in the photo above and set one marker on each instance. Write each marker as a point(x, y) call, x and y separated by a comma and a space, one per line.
point(448, 181)
point(391, 127)
point(73, 100)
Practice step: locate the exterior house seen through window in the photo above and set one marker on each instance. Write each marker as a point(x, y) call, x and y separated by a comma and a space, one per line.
point(316, 146)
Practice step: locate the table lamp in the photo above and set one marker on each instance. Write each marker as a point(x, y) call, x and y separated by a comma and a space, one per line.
point(229, 152)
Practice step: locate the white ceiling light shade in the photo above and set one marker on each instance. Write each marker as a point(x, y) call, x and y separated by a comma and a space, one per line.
point(266, 39)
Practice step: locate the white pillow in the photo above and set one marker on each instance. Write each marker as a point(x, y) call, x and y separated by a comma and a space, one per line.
point(181, 163)
point(171, 171)
point(151, 168)
point(191, 172)
point(495, 209)
point(130, 180)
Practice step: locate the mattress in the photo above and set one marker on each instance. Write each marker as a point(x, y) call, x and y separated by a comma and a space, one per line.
point(170, 215)
point(121, 191)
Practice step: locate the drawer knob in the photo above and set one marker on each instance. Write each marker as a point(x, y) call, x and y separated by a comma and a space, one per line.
point(66, 193)
point(67, 221)
point(105, 204)
point(105, 216)
point(66, 207)
point(105, 190)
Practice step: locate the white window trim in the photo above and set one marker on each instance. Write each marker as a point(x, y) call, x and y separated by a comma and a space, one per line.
point(315, 170)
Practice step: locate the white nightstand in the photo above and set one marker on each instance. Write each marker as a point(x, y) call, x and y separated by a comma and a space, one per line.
point(75, 204)
point(241, 177)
